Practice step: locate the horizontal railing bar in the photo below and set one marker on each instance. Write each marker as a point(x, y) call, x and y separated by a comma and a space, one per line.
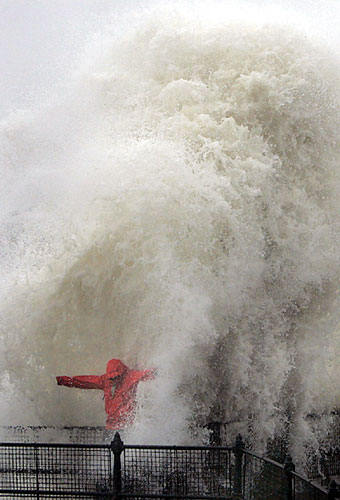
point(264, 459)
point(174, 447)
point(56, 445)
point(185, 497)
point(65, 470)
point(108, 494)
point(57, 427)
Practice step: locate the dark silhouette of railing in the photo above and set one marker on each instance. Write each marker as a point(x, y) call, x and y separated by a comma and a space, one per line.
point(325, 467)
point(118, 471)
point(265, 479)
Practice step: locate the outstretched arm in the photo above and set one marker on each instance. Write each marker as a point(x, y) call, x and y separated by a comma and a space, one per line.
point(145, 374)
point(83, 381)
point(150, 374)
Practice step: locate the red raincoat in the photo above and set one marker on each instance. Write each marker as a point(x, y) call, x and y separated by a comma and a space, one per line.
point(119, 384)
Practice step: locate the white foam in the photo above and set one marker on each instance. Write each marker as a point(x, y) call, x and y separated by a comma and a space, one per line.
point(177, 207)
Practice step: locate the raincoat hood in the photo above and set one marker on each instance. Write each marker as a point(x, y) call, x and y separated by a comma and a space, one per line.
point(115, 367)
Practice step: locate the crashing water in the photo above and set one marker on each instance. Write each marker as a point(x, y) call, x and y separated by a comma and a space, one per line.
point(176, 206)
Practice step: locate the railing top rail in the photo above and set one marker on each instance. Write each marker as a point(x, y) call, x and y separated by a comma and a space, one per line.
point(175, 496)
point(54, 427)
point(54, 445)
point(263, 458)
point(57, 493)
point(175, 447)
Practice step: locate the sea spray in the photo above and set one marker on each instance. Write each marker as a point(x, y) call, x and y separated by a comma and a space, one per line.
point(178, 208)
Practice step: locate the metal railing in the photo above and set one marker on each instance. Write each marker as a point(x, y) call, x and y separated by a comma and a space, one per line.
point(39, 471)
point(118, 471)
point(265, 479)
point(177, 472)
point(325, 467)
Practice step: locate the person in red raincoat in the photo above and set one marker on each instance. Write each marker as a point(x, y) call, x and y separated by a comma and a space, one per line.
point(119, 384)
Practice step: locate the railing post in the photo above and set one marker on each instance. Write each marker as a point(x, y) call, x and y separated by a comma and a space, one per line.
point(333, 491)
point(117, 446)
point(238, 452)
point(36, 469)
point(324, 471)
point(289, 467)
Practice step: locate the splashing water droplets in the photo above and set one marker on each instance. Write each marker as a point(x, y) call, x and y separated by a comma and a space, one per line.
point(180, 210)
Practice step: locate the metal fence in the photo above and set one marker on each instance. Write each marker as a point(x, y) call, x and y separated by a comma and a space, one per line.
point(325, 467)
point(265, 479)
point(118, 471)
point(45, 471)
point(177, 472)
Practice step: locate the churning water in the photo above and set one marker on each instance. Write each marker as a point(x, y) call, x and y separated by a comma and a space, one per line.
point(175, 203)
